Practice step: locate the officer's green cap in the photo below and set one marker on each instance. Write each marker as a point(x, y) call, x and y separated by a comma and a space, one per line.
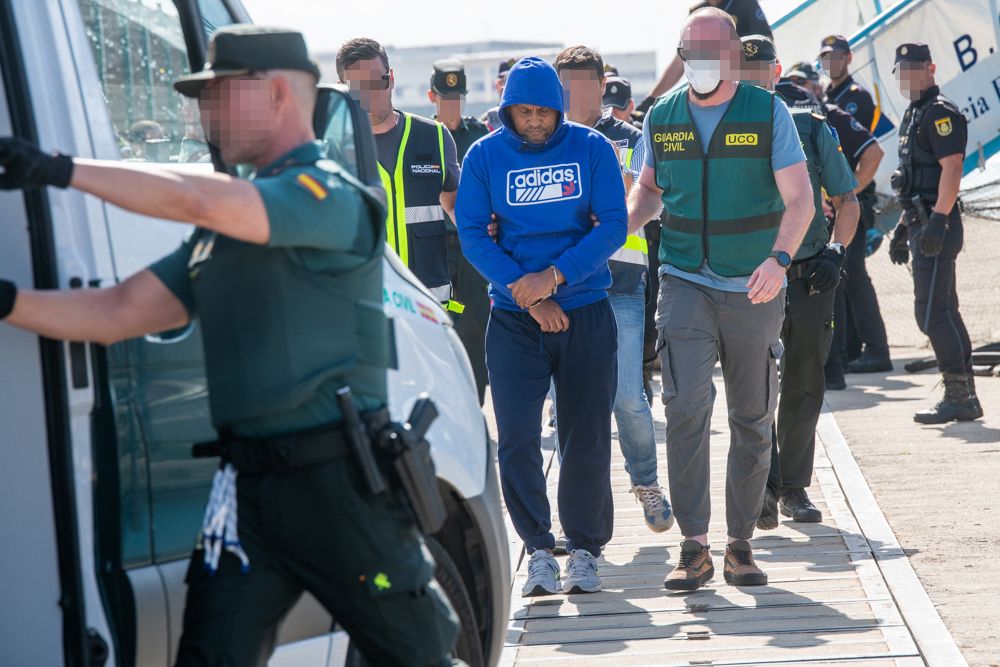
point(239, 50)
point(834, 43)
point(912, 53)
point(448, 78)
point(758, 49)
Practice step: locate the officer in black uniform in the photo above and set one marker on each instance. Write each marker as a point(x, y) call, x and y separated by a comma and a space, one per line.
point(835, 56)
point(284, 272)
point(749, 19)
point(470, 304)
point(932, 140)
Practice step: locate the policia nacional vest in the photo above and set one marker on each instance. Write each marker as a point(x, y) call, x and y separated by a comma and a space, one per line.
point(415, 222)
point(817, 236)
point(629, 264)
point(919, 169)
point(721, 207)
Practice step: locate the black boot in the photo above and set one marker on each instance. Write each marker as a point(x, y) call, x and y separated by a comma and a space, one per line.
point(795, 503)
point(768, 519)
point(869, 362)
point(960, 402)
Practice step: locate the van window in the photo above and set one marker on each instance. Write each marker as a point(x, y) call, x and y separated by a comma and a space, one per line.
point(139, 50)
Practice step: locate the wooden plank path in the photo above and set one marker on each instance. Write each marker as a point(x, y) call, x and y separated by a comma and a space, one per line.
point(827, 602)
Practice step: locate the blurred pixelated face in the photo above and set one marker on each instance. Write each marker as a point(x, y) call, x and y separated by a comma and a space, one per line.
point(583, 92)
point(711, 55)
point(449, 106)
point(534, 124)
point(835, 63)
point(758, 73)
point(371, 85)
point(237, 115)
point(914, 79)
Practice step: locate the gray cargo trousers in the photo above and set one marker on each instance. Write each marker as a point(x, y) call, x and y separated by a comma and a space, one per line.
point(697, 326)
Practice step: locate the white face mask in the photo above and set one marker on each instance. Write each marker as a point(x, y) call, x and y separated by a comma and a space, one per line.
point(703, 75)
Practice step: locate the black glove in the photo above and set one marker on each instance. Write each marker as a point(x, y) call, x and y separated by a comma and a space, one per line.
point(645, 105)
point(932, 238)
point(24, 166)
point(824, 271)
point(899, 248)
point(8, 295)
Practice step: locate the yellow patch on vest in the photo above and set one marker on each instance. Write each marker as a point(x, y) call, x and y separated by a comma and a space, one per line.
point(943, 126)
point(673, 142)
point(310, 184)
point(746, 139)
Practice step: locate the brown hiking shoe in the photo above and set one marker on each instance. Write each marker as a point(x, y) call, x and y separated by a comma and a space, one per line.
point(694, 569)
point(740, 568)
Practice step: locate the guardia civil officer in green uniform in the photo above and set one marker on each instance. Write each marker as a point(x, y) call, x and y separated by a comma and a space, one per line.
point(417, 162)
point(813, 277)
point(470, 301)
point(284, 273)
point(932, 139)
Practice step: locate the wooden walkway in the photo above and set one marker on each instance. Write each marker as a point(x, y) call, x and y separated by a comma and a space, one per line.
point(828, 600)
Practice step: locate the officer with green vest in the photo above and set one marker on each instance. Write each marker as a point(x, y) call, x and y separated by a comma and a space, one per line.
point(812, 287)
point(418, 164)
point(470, 303)
point(581, 71)
point(726, 166)
point(284, 273)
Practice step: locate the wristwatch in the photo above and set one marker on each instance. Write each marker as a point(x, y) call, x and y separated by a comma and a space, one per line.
point(837, 248)
point(783, 258)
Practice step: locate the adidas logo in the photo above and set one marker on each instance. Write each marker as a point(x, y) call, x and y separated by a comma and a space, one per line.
point(539, 185)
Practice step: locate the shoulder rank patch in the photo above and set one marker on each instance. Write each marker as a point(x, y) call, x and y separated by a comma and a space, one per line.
point(310, 184)
point(943, 126)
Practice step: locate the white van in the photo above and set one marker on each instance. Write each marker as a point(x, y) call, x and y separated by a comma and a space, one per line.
point(100, 500)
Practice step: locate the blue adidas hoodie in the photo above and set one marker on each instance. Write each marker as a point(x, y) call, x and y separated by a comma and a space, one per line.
point(543, 195)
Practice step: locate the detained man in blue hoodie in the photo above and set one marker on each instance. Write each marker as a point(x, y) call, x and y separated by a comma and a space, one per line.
point(543, 177)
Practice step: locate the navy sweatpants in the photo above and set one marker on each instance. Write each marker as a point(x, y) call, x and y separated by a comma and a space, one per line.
point(583, 362)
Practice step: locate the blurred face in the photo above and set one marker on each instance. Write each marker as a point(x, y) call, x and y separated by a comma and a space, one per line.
point(238, 116)
point(759, 73)
point(371, 85)
point(914, 79)
point(501, 81)
point(835, 63)
point(449, 106)
point(534, 124)
point(711, 54)
point(583, 92)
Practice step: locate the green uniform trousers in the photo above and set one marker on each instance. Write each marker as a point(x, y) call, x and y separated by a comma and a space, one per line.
point(312, 529)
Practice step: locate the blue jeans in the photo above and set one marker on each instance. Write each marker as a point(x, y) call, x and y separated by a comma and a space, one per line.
point(632, 413)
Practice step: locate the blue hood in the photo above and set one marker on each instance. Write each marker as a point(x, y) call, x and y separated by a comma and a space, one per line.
point(532, 81)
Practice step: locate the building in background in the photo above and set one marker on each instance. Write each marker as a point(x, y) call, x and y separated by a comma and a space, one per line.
point(412, 66)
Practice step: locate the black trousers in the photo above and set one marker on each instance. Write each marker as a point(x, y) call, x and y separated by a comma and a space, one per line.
point(471, 290)
point(944, 327)
point(807, 333)
point(858, 289)
point(312, 529)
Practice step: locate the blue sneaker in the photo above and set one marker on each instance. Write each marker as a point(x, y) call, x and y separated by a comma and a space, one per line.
point(659, 517)
point(581, 573)
point(543, 575)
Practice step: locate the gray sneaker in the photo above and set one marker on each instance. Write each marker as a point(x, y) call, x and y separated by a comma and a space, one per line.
point(581, 573)
point(655, 508)
point(543, 575)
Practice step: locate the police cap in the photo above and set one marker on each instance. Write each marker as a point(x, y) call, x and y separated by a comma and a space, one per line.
point(803, 70)
point(912, 53)
point(448, 78)
point(834, 43)
point(238, 50)
point(758, 49)
point(505, 66)
point(617, 92)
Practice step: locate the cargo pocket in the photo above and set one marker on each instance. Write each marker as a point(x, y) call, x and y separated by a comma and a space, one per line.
point(774, 354)
point(669, 389)
point(429, 253)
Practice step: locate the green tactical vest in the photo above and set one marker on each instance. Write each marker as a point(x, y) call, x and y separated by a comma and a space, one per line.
point(283, 338)
point(723, 207)
point(818, 235)
point(415, 222)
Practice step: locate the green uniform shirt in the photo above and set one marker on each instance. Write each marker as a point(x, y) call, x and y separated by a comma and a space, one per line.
point(287, 324)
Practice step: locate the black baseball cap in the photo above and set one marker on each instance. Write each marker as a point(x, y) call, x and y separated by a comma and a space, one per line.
point(238, 50)
point(912, 52)
point(617, 92)
point(834, 43)
point(448, 78)
point(803, 70)
point(610, 70)
point(758, 49)
point(505, 66)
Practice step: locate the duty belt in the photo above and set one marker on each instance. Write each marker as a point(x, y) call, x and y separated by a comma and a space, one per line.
point(799, 268)
point(288, 452)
